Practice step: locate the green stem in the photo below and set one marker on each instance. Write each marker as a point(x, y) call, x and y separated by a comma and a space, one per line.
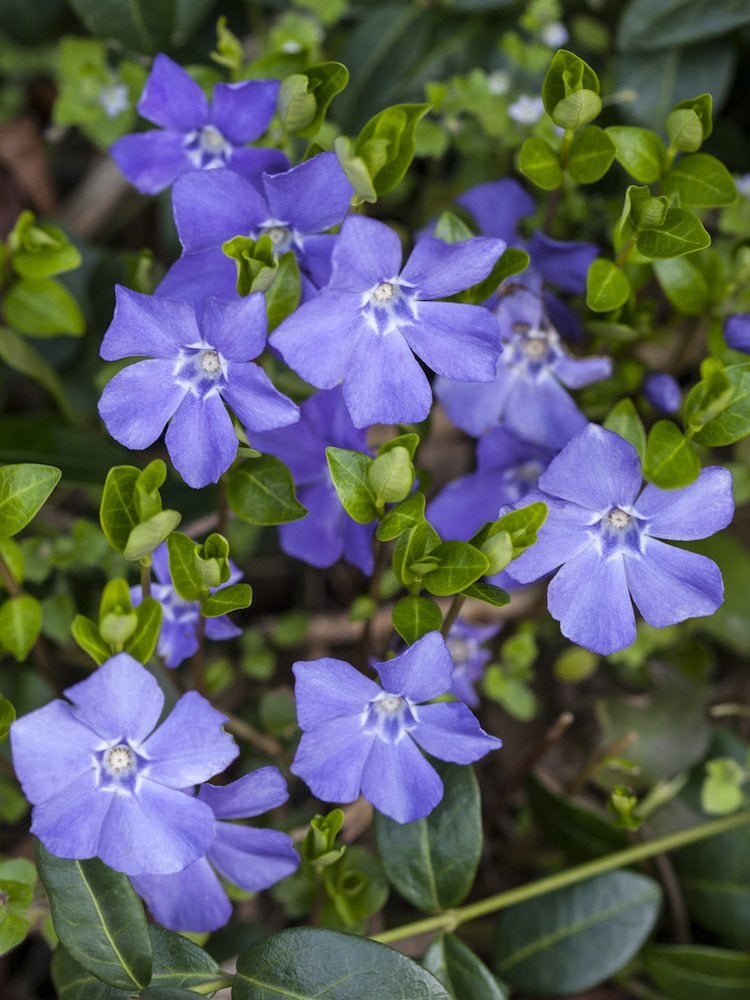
point(146, 577)
point(453, 611)
point(451, 919)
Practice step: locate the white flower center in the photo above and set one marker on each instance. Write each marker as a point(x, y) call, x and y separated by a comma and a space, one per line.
point(390, 705)
point(618, 519)
point(212, 141)
point(210, 362)
point(535, 348)
point(119, 761)
point(459, 649)
point(384, 293)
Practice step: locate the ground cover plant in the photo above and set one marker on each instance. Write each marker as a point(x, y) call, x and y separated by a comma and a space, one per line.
point(373, 473)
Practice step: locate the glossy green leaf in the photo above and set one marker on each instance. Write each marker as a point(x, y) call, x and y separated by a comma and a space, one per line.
point(308, 963)
point(231, 598)
point(715, 879)
point(414, 617)
point(432, 862)
point(459, 565)
point(283, 297)
point(86, 634)
point(590, 155)
point(607, 286)
point(680, 232)
point(568, 75)
point(255, 260)
point(460, 971)
point(684, 129)
point(42, 307)
point(647, 25)
point(24, 489)
point(701, 180)
point(579, 830)
point(577, 109)
point(12, 555)
point(718, 408)
point(261, 491)
point(670, 461)
point(540, 163)
point(522, 525)
point(685, 284)
point(183, 567)
point(386, 144)
point(296, 106)
point(142, 644)
point(349, 472)
point(118, 513)
point(574, 938)
point(390, 476)
point(624, 420)
point(698, 972)
point(98, 919)
point(401, 518)
point(411, 553)
point(639, 150)
point(140, 25)
point(324, 81)
point(488, 593)
point(40, 251)
point(148, 536)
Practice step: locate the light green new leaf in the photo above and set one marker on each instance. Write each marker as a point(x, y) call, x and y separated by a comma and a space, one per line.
point(42, 307)
point(701, 180)
point(624, 420)
point(639, 151)
point(590, 155)
point(20, 625)
point(24, 489)
point(414, 617)
point(386, 144)
point(142, 643)
point(231, 598)
point(149, 535)
point(540, 163)
point(607, 286)
point(678, 233)
point(670, 461)
point(349, 472)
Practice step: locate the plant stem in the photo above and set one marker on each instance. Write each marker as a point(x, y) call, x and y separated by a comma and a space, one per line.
point(146, 579)
point(453, 611)
point(451, 919)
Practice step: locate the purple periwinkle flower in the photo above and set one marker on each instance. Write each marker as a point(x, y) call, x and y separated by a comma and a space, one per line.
point(663, 391)
point(178, 637)
point(366, 326)
point(293, 208)
point(465, 643)
point(737, 332)
point(528, 394)
point(196, 134)
point(199, 361)
point(361, 737)
point(327, 533)
point(603, 536)
point(106, 782)
point(253, 859)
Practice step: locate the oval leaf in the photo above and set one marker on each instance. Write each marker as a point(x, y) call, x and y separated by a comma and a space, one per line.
point(607, 287)
point(432, 862)
point(231, 598)
point(414, 617)
point(98, 918)
point(261, 491)
point(349, 472)
point(460, 971)
point(308, 963)
point(671, 461)
point(570, 940)
point(690, 972)
point(23, 491)
point(42, 307)
point(459, 565)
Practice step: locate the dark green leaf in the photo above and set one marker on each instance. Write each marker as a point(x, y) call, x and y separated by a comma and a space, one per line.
point(697, 972)
point(408, 514)
point(647, 25)
point(680, 232)
point(141, 25)
point(607, 286)
point(488, 593)
point(142, 643)
point(671, 460)
point(414, 617)
point(118, 512)
point(583, 833)
point(540, 163)
point(572, 939)
point(718, 408)
point(715, 879)
point(459, 565)
point(20, 625)
point(591, 154)
point(701, 180)
point(349, 472)
point(282, 298)
point(432, 862)
point(42, 307)
point(231, 598)
point(411, 551)
point(98, 919)
point(624, 420)
point(184, 568)
point(261, 491)
point(639, 150)
point(23, 358)
point(460, 971)
point(23, 491)
point(309, 963)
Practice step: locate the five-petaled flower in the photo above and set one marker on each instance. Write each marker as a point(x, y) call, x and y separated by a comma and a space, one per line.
point(603, 533)
point(253, 859)
point(366, 326)
point(361, 737)
point(196, 134)
point(198, 361)
point(106, 782)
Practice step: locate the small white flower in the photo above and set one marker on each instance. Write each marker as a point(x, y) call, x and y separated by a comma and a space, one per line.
point(743, 185)
point(526, 110)
point(114, 99)
point(555, 35)
point(498, 82)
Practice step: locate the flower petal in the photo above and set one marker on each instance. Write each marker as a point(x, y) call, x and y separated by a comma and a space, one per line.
point(120, 701)
point(562, 263)
point(467, 503)
point(589, 597)
point(695, 511)
point(476, 407)
point(70, 824)
point(317, 339)
point(562, 536)
point(189, 746)
point(257, 403)
point(201, 440)
point(597, 469)
point(191, 900)
point(455, 340)
point(542, 411)
point(328, 689)
point(149, 327)
point(367, 252)
point(136, 404)
point(250, 795)
point(252, 859)
point(330, 759)
point(670, 584)
point(451, 731)
point(421, 672)
point(317, 539)
point(384, 383)
point(312, 196)
point(399, 782)
point(211, 206)
point(152, 160)
point(172, 98)
point(243, 111)
point(195, 276)
point(439, 269)
point(578, 372)
point(155, 831)
point(237, 330)
point(497, 207)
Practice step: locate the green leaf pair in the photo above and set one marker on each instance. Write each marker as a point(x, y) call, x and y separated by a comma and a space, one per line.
point(131, 513)
point(304, 97)
point(198, 569)
point(365, 484)
point(121, 627)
